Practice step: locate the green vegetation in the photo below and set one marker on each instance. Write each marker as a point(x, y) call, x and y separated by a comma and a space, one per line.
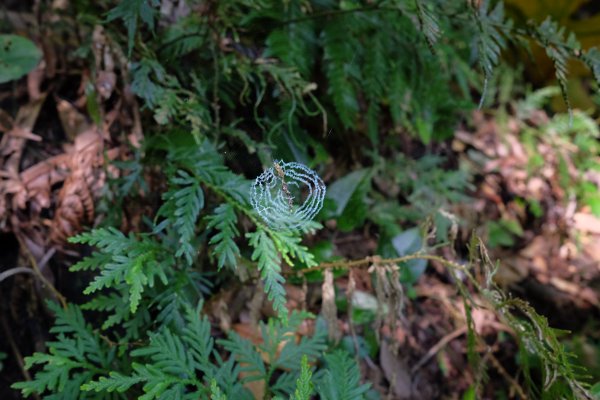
point(369, 95)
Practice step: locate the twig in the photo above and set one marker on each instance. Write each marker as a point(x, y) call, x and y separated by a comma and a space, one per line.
point(16, 352)
point(370, 260)
point(438, 346)
point(14, 271)
point(38, 273)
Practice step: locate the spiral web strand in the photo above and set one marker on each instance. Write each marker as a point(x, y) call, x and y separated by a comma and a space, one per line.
point(272, 199)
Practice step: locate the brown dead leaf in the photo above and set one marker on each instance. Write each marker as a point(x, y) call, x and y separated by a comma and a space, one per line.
point(73, 122)
point(587, 223)
point(34, 81)
point(396, 371)
point(328, 308)
point(583, 294)
point(76, 197)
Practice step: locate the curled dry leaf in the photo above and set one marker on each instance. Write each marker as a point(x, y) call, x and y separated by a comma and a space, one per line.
point(86, 178)
point(329, 309)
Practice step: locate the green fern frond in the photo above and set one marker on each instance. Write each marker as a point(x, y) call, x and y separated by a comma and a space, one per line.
point(592, 59)
point(130, 11)
point(304, 386)
point(113, 302)
point(375, 73)
point(559, 50)
point(197, 336)
point(146, 75)
point(176, 365)
point(294, 44)
point(183, 37)
point(215, 391)
point(309, 346)
point(340, 53)
point(115, 382)
point(268, 259)
point(207, 164)
point(341, 380)
point(168, 354)
point(182, 207)
point(166, 377)
point(75, 357)
point(110, 239)
point(428, 24)
point(132, 262)
point(246, 355)
point(289, 245)
point(225, 249)
point(490, 41)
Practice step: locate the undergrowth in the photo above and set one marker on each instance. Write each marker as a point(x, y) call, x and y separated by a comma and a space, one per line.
point(231, 86)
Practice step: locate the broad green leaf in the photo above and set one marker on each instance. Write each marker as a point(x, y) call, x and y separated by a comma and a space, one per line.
point(345, 200)
point(18, 56)
point(410, 242)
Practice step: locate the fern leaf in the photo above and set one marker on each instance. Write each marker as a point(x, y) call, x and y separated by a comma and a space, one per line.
point(168, 354)
point(146, 73)
point(559, 50)
point(304, 386)
point(592, 59)
point(215, 391)
point(115, 303)
point(115, 382)
point(310, 346)
point(226, 250)
point(289, 245)
point(110, 239)
point(428, 24)
point(490, 42)
point(182, 207)
point(270, 269)
point(339, 63)
point(130, 11)
point(294, 45)
point(246, 355)
point(75, 356)
point(197, 337)
point(70, 321)
point(184, 36)
point(375, 74)
point(341, 380)
point(131, 262)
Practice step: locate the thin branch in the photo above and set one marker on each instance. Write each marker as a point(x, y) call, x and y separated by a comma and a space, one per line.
point(38, 273)
point(437, 347)
point(14, 271)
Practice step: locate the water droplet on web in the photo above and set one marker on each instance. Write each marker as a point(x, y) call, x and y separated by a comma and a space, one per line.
point(288, 195)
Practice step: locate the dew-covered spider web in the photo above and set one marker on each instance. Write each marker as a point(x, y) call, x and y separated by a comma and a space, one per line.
point(288, 195)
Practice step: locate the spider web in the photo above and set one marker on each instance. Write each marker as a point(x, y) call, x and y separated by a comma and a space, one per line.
point(271, 195)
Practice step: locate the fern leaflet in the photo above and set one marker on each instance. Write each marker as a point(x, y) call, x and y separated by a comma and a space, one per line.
point(268, 259)
point(125, 260)
point(304, 386)
point(130, 11)
point(341, 380)
point(227, 251)
point(74, 358)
